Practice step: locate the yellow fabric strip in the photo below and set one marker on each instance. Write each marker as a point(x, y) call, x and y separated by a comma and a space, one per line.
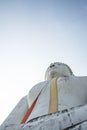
point(53, 103)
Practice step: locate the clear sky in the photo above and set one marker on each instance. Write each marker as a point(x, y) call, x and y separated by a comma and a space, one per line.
point(33, 34)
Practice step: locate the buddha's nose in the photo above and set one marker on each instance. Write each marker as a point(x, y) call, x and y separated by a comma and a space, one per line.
point(52, 65)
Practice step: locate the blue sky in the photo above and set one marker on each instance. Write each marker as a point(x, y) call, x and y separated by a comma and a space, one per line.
point(33, 34)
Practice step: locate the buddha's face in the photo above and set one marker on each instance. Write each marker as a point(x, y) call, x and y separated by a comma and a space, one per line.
point(57, 70)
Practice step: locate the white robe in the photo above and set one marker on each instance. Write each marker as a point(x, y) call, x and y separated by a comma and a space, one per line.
point(72, 92)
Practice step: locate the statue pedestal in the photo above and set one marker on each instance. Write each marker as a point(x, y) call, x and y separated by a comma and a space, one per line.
point(72, 119)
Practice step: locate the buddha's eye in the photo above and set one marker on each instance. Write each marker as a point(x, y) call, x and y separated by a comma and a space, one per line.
point(52, 65)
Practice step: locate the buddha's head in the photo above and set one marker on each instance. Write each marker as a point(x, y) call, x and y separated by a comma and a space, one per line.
point(57, 69)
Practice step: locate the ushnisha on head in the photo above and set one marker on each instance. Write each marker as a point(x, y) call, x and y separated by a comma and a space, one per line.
point(57, 69)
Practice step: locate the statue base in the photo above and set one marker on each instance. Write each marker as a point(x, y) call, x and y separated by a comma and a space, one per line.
point(72, 119)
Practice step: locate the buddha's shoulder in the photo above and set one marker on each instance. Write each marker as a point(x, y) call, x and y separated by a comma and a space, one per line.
point(39, 86)
point(73, 80)
point(35, 91)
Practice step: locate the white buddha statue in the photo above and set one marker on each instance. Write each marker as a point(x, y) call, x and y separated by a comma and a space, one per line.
point(72, 90)
point(61, 90)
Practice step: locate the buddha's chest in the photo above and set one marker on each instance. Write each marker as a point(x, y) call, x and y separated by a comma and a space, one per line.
point(70, 94)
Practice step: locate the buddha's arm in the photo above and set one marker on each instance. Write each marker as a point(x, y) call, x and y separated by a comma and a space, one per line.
point(83, 81)
point(18, 112)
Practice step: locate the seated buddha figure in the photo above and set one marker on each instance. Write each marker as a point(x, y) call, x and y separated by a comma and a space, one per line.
point(60, 90)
